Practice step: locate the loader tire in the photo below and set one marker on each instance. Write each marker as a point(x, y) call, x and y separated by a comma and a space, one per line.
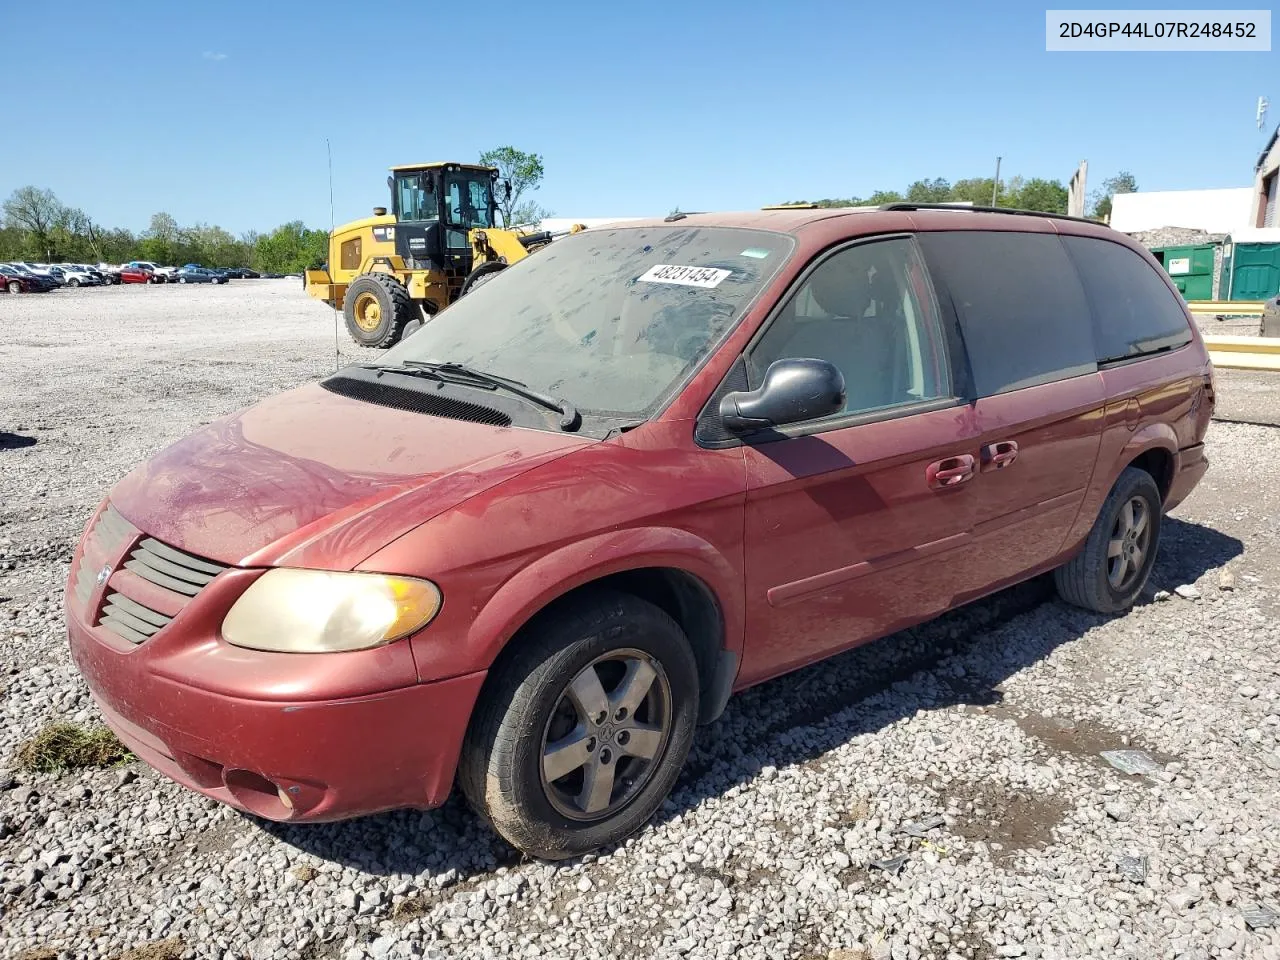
point(481, 274)
point(376, 308)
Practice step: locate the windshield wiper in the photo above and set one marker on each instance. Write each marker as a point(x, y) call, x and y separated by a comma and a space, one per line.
point(468, 376)
point(460, 373)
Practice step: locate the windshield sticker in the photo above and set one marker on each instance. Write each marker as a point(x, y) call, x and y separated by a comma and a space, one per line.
point(685, 276)
point(754, 253)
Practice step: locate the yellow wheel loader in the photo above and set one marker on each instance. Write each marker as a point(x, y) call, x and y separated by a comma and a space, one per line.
point(392, 271)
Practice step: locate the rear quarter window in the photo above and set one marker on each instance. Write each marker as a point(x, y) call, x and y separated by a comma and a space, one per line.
point(1134, 311)
point(1020, 305)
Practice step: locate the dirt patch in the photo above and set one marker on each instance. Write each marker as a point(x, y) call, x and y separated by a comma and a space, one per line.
point(997, 814)
point(412, 907)
point(38, 953)
point(1080, 738)
point(170, 949)
point(69, 746)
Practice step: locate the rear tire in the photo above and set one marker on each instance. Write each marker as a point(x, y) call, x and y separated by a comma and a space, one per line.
point(73, 282)
point(537, 704)
point(1113, 566)
point(15, 286)
point(376, 308)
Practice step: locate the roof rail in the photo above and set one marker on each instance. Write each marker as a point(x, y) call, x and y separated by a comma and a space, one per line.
point(1014, 211)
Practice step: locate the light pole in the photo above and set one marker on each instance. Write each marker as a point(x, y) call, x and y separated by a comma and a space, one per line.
point(995, 185)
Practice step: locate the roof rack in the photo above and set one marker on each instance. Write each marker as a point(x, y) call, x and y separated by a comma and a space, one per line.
point(1014, 211)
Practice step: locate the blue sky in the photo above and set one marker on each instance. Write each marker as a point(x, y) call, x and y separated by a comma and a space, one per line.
point(218, 112)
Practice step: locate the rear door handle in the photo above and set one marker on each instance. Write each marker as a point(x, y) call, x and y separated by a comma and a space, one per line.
point(951, 472)
point(997, 456)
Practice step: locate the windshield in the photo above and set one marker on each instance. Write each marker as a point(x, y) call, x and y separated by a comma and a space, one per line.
point(610, 320)
point(469, 199)
point(416, 198)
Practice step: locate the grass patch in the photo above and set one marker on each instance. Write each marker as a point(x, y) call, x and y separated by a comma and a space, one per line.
point(69, 746)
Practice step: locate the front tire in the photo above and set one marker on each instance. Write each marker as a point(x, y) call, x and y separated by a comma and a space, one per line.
point(581, 732)
point(481, 275)
point(15, 286)
point(376, 308)
point(1109, 572)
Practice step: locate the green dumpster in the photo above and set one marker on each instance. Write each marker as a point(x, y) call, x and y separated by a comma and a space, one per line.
point(1191, 268)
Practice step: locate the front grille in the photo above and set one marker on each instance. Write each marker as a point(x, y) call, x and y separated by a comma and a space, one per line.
point(415, 401)
point(129, 619)
point(170, 568)
point(180, 574)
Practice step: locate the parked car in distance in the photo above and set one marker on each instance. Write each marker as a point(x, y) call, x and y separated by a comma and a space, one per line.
point(132, 273)
point(74, 276)
point(40, 270)
point(98, 276)
point(110, 273)
point(156, 273)
point(742, 443)
point(190, 274)
point(242, 273)
point(32, 282)
point(17, 281)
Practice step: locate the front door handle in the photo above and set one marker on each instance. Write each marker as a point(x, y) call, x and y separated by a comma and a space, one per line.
point(997, 456)
point(951, 472)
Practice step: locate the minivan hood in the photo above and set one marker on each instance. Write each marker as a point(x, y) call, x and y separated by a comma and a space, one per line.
point(308, 478)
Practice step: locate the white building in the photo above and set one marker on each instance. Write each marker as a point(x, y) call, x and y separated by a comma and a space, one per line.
point(1213, 211)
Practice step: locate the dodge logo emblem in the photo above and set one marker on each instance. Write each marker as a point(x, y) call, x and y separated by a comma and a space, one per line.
point(104, 574)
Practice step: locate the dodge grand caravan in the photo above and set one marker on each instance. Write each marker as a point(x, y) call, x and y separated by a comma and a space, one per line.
point(533, 545)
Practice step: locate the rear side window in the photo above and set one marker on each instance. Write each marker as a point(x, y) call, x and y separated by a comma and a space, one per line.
point(1020, 305)
point(1134, 312)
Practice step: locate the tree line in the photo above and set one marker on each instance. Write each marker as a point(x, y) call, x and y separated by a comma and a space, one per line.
point(1036, 193)
point(37, 226)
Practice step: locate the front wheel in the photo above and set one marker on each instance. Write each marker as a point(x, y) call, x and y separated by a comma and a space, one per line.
point(581, 732)
point(1111, 569)
point(481, 275)
point(15, 286)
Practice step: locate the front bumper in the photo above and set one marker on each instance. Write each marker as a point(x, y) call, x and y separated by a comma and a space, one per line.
point(333, 759)
point(296, 737)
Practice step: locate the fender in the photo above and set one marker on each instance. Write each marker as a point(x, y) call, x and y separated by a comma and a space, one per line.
point(1150, 436)
point(553, 575)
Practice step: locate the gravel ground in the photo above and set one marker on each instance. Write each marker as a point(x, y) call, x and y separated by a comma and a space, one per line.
point(991, 718)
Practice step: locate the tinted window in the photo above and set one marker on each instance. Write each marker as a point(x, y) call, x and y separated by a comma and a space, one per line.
point(1134, 312)
point(1020, 304)
point(870, 311)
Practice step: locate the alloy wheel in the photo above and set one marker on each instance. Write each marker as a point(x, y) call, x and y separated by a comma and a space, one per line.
point(606, 735)
point(1129, 544)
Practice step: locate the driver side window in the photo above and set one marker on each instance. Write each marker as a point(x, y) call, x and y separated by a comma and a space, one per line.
point(870, 311)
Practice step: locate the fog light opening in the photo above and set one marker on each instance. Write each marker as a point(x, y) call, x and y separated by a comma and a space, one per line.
point(259, 795)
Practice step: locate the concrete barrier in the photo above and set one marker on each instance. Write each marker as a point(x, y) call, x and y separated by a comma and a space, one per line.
point(1244, 353)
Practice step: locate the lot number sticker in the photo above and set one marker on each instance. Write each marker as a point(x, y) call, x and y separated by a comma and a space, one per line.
point(685, 276)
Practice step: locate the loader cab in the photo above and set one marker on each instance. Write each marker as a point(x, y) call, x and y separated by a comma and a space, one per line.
point(436, 205)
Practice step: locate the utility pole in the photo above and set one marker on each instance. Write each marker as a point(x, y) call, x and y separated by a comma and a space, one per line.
point(995, 185)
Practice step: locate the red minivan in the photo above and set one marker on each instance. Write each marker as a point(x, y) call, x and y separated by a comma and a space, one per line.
point(536, 543)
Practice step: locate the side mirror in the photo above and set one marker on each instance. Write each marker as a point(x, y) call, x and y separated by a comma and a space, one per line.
point(506, 189)
point(793, 390)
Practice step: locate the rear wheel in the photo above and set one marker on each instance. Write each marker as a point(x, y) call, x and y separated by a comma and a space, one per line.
point(73, 282)
point(1113, 566)
point(376, 308)
point(15, 286)
point(581, 733)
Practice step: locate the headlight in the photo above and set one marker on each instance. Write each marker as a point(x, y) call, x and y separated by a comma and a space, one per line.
point(314, 611)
